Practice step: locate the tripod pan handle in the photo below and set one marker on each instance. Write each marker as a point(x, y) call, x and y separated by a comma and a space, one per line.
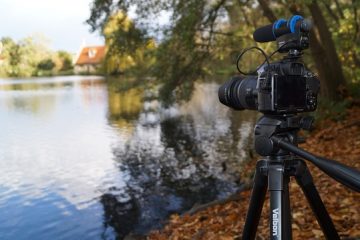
point(347, 176)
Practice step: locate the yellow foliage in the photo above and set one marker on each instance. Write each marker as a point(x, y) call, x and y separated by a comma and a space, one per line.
point(125, 107)
point(116, 21)
point(122, 62)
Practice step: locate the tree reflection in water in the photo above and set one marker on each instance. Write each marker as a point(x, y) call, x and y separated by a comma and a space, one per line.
point(173, 158)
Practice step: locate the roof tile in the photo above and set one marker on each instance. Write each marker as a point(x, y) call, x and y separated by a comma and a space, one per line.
point(91, 55)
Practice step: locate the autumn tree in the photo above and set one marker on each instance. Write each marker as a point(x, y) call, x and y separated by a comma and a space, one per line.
point(126, 45)
point(203, 36)
point(65, 61)
point(186, 42)
point(11, 57)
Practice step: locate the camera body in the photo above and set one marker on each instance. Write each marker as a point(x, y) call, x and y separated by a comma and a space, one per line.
point(281, 87)
point(287, 87)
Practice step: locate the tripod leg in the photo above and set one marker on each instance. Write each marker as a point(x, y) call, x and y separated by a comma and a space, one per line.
point(280, 215)
point(305, 181)
point(287, 210)
point(256, 201)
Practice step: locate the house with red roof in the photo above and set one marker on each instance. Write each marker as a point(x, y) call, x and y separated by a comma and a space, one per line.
point(89, 59)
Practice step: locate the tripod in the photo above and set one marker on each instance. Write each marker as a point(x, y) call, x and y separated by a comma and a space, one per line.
point(276, 139)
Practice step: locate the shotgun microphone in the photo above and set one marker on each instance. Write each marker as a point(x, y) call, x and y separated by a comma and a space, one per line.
point(280, 27)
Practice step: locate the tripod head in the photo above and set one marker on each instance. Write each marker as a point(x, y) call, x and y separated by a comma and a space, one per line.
point(277, 136)
point(283, 126)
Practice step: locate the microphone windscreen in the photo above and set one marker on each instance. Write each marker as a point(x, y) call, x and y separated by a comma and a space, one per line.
point(306, 25)
point(264, 34)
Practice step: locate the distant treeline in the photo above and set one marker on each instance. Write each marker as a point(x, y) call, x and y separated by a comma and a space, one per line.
point(31, 56)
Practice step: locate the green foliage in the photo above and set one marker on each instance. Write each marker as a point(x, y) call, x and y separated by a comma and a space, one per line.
point(127, 46)
point(10, 57)
point(354, 89)
point(31, 57)
point(65, 59)
point(346, 33)
point(46, 64)
point(205, 36)
point(181, 56)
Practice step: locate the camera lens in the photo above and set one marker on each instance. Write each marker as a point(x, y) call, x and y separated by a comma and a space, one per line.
point(238, 93)
point(227, 94)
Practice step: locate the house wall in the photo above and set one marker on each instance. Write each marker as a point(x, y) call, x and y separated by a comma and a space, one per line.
point(86, 68)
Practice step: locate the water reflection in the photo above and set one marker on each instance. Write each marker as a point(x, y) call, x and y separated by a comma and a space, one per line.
point(38, 96)
point(175, 158)
point(83, 159)
point(55, 159)
point(124, 107)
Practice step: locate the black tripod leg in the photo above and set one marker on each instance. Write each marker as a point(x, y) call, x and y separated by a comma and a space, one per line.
point(287, 210)
point(256, 201)
point(305, 181)
point(280, 215)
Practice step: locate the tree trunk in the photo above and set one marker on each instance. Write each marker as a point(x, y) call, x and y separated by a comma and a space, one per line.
point(268, 13)
point(321, 63)
point(319, 56)
point(328, 62)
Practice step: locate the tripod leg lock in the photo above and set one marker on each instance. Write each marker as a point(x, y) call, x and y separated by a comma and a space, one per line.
point(299, 170)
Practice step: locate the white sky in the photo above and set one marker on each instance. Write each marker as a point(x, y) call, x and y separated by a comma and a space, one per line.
point(60, 21)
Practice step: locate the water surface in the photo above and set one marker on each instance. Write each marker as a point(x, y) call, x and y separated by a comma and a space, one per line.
point(81, 158)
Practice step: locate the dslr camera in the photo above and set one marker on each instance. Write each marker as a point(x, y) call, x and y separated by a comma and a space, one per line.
point(281, 87)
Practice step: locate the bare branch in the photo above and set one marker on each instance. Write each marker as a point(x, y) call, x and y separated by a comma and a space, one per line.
point(331, 12)
point(338, 7)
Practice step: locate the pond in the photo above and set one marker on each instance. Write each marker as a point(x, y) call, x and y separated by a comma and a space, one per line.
point(82, 159)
